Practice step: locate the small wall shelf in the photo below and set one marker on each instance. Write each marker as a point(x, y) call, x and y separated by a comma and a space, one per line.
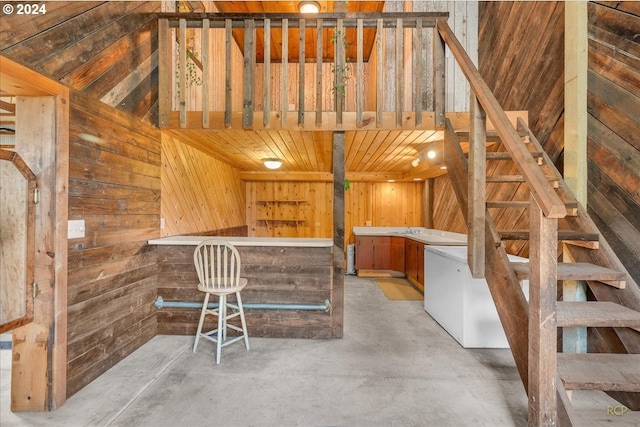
point(274, 206)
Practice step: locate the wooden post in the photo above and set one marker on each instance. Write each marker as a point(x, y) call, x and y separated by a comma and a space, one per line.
point(439, 88)
point(428, 196)
point(340, 70)
point(248, 72)
point(576, 49)
point(164, 72)
point(477, 189)
point(337, 292)
point(543, 276)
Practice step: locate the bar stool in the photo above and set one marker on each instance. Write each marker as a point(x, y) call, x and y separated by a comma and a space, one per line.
point(217, 263)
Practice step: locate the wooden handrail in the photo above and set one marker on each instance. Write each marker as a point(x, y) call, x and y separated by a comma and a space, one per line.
point(539, 186)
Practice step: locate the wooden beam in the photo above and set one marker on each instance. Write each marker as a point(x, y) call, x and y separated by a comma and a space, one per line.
point(439, 82)
point(286, 176)
point(301, 67)
point(337, 290)
point(543, 277)
point(206, 73)
point(228, 42)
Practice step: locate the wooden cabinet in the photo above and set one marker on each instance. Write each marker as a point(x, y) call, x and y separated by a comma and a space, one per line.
point(414, 262)
point(379, 253)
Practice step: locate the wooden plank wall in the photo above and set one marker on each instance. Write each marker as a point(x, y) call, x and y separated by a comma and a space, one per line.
point(270, 280)
point(108, 50)
point(199, 192)
point(382, 204)
point(114, 186)
point(282, 202)
point(522, 61)
point(614, 127)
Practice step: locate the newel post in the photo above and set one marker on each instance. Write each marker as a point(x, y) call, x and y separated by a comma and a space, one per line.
point(543, 276)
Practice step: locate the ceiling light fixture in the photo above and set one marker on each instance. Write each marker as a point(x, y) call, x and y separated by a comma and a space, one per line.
point(272, 163)
point(309, 7)
point(415, 162)
point(431, 154)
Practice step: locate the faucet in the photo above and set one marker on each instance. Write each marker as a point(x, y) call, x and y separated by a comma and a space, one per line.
point(409, 230)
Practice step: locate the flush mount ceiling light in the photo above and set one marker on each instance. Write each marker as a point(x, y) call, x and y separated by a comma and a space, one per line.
point(309, 7)
point(431, 154)
point(272, 163)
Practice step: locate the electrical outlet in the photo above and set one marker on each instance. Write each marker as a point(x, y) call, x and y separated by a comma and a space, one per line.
point(75, 229)
point(368, 223)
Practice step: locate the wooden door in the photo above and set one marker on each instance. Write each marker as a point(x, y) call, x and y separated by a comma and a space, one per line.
point(17, 233)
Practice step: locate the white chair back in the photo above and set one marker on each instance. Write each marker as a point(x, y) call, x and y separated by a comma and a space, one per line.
point(217, 263)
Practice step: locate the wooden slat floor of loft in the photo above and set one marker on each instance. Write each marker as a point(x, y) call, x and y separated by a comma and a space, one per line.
point(613, 415)
point(600, 371)
point(596, 314)
point(577, 271)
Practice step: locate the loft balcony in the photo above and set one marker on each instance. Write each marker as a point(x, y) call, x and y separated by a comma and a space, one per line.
point(349, 71)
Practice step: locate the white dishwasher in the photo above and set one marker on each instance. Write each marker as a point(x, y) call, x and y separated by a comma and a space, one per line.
point(461, 304)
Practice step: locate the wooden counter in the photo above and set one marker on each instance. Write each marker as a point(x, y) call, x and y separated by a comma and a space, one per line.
point(279, 270)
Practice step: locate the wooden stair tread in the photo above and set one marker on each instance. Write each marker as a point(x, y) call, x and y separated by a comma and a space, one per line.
point(504, 155)
point(513, 178)
point(596, 314)
point(600, 371)
point(572, 207)
point(600, 417)
point(562, 235)
point(578, 271)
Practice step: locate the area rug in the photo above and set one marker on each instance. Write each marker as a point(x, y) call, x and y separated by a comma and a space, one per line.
point(398, 289)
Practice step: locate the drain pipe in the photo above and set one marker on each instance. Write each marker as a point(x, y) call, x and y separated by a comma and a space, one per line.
point(160, 303)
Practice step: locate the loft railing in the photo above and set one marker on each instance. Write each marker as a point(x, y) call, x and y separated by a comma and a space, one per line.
point(332, 52)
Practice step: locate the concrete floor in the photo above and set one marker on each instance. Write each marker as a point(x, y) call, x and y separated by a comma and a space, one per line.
point(395, 366)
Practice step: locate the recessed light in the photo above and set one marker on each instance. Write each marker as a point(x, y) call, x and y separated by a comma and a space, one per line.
point(431, 154)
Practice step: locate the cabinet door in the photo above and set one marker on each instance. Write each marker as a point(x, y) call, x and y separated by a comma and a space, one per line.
point(397, 254)
point(420, 266)
point(364, 253)
point(411, 261)
point(382, 253)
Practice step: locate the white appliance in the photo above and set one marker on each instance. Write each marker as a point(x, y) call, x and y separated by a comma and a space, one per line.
point(461, 304)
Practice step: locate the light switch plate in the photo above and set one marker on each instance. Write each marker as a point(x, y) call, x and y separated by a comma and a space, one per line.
point(75, 229)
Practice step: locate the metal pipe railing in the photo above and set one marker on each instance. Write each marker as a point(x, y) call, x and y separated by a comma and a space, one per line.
point(161, 303)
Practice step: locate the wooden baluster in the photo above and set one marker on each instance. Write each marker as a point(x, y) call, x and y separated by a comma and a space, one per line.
point(379, 72)
point(419, 68)
point(266, 90)
point(359, 72)
point(227, 74)
point(439, 89)
point(249, 72)
point(206, 72)
point(399, 68)
point(182, 72)
point(284, 90)
point(165, 71)
point(340, 70)
point(319, 64)
point(301, 62)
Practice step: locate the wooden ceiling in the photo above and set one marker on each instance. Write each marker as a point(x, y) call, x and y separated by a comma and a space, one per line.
point(376, 155)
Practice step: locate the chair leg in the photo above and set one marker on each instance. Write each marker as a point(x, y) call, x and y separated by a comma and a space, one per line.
point(242, 320)
point(201, 322)
point(222, 312)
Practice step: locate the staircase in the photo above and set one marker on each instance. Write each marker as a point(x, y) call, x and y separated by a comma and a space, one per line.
point(616, 296)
